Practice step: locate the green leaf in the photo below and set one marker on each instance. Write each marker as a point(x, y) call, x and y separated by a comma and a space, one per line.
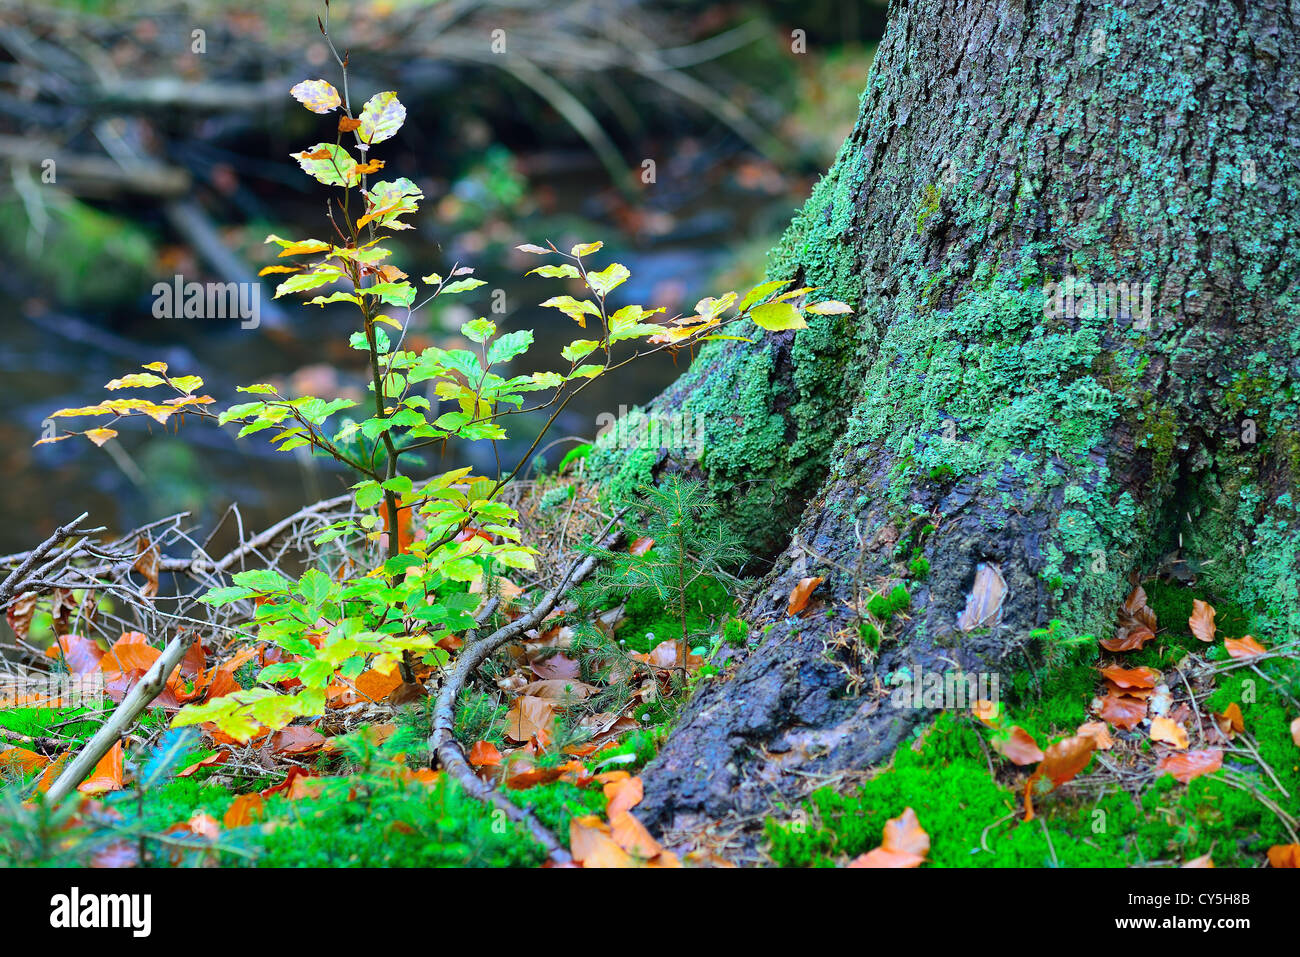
point(579, 348)
point(565, 271)
point(262, 580)
point(314, 586)
point(393, 293)
point(225, 595)
point(608, 279)
point(776, 316)
point(479, 330)
point(462, 285)
point(369, 494)
point(760, 292)
point(306, 280)
point(575, 309)
point(510, 345)
point(336, 169)
point(381, 117)
point(399, 484)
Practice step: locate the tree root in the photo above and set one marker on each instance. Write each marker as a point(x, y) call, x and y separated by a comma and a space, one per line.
point(443, 743)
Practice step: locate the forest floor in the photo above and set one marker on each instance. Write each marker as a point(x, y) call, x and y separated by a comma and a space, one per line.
point(1174, 742)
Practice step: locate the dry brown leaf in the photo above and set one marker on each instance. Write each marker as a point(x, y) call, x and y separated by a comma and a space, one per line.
point(799, 594)
point(591, 845)
point(1246, 647)
point(1131, 678)
point(1122, 711)
point(1099, 733)
point(1231, 722)
point(484, 754)
point(622, 795)
point(1066, 758)
point(986, 711)
point(1169, 731)
point(1190, 764)
point(1201, 621)
point(107, 775)
point(296, 740)
point(904, 834)
point(528, 716)
point(1205, 860)
point(1129, 638)
point(631, 835)
point(640, 546)
point(1019, 748)
point(984, 603)
point(146, 563)
point(1295, 732)
point(883, 858)
point(244, 809)
point(1284, 855)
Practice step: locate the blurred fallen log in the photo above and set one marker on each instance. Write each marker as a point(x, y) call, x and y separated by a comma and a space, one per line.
point(98, 176)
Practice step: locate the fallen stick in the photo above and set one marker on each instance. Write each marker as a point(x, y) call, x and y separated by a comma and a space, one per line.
point(443, 741)
point(122, 719)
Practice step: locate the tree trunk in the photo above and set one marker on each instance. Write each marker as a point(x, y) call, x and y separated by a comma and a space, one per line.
point(1034, 447)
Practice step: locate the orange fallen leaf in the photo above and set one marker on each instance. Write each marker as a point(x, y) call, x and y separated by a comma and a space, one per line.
point(1246, 647)
point(528, 716)
point(591, 845)
point(1205, 860)
point(799, 594)
point(297, 740)
point(1295, 732)
point(1019, 747)
point(1122, 711)
point(631, 835)
point(1201, 621)
point(1284, 855)
point(1190, 764)
point(1131, 677)
point(22, 760)
point(82, 655)
point(904, 844)
point(131, 652)
point(107, 775)
point(1129, 638)
point(244, 810)
point(1231, 722)
point(986, 711)
point(640, 546)
point(221, 757)
point(623, 795)
point(1099, 733)
point(484, 754)
point(1168, 731)
point(1066, 758)
point(904, 834)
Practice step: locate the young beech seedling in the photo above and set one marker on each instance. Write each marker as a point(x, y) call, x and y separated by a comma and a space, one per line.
point(440, 532)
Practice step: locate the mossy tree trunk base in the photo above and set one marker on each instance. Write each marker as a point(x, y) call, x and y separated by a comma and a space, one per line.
point(975, 428)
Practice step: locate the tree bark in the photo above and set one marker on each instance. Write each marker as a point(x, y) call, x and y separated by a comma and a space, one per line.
point(1035, 450)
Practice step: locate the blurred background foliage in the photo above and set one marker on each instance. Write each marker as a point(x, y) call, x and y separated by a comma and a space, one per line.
point(171, 158)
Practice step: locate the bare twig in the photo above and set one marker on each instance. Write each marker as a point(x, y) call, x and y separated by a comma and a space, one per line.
point(123, 718)
point(442, 741)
